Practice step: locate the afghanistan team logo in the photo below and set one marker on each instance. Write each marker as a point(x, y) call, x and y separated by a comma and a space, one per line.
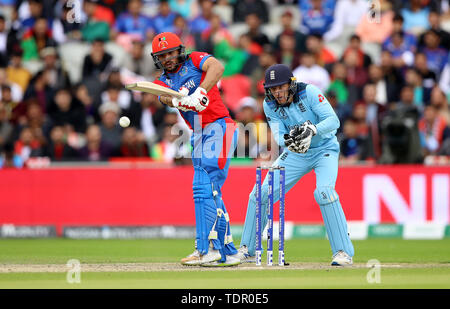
point(163, 43)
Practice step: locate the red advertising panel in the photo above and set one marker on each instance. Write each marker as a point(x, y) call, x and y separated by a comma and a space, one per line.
point(104, 196)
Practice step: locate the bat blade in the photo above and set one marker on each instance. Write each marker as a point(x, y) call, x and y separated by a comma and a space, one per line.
point(153, 88)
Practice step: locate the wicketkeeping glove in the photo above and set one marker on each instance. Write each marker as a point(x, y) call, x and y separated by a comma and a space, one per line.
point(308, 130)
point(290, 143)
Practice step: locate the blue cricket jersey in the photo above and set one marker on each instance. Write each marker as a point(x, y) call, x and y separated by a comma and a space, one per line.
point(309, 104)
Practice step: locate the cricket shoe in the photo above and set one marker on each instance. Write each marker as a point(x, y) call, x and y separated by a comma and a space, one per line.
point(196, 259)
point(231, 260)
point(341, 258)
point(243, 255)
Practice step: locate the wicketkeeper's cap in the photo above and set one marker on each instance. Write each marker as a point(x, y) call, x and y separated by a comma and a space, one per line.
point(276, 75)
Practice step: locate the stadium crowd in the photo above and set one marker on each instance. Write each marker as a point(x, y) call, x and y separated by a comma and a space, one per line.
point(383, 65)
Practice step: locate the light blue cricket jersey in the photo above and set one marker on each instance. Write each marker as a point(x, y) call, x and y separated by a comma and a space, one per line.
point(309, 104)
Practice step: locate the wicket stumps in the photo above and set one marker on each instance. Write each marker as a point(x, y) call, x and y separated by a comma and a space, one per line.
point(259, 228)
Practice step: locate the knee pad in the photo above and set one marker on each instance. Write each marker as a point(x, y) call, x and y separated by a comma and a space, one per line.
point(325, 195)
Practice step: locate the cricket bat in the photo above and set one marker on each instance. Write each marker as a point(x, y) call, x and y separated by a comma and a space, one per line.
point(154, 89)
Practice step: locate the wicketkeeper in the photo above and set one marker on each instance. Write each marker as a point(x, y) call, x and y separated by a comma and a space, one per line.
point(302, 120)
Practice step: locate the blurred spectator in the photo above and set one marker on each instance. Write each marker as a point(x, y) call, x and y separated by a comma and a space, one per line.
point(377, 26)
point(132, 24)
point(37, 122)
point(27, 145)
point(428, 77)
point(233, 58)
point(58, 77)
point(353, 146)
point(406, 98)
point(409, 40)
point(12, 107)
point(15, 90)
point(117, 95)
point(286, 21)
point(392, 77)
point(201, 22)
point(265, 60)
point(243, 8)
point(36, 39)
point(324, 57)
point(364, 60)
point(95, 149)
point(98, 62)
point(436, 56)
point(402, 53)
point(169, 149)
point(64, 110)
point(435, 24)
point(215, 34)
point(318, 18)
point(414, 79)
point(185, 8)
point(286, 53)
point(40, 89)
point(182, 30)
point(65, 27)
point(253, 22)
point(58, 149)
point(98, 12)
point(247, 144)
point(133, 143)
point(431, 127)
point(343, 111)
point(16, 72)
point(148, 116)
point(109, 127)
point(357, 76)
point(164, 20)
point(8, 159)
point(90, 107)
point(140, 62)
point(359, 115)
point(416, 17)
point(375, 113)
point(35, 9)
point(6, 129)
point(99, 21)
point(338, 83)
point(311, 73)
point(439, 100)
point(347, 15)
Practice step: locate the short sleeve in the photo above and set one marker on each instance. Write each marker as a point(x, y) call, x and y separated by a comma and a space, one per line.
point(198, 58)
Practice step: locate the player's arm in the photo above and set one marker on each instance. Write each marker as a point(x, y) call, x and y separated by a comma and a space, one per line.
point(214, 70)
point(328, 120)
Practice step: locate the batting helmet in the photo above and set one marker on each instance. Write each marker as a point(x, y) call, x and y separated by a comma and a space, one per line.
point(166, 42)
point(277, 75)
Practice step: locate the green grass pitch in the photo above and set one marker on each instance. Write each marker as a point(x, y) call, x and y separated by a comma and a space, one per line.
point(154, 263)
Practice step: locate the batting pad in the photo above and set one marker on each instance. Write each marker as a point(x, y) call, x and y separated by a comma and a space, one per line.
point(334, 219)
point(206, 213)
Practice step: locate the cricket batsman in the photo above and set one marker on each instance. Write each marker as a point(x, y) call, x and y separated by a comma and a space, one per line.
point(303, 121)
point(213, 141)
